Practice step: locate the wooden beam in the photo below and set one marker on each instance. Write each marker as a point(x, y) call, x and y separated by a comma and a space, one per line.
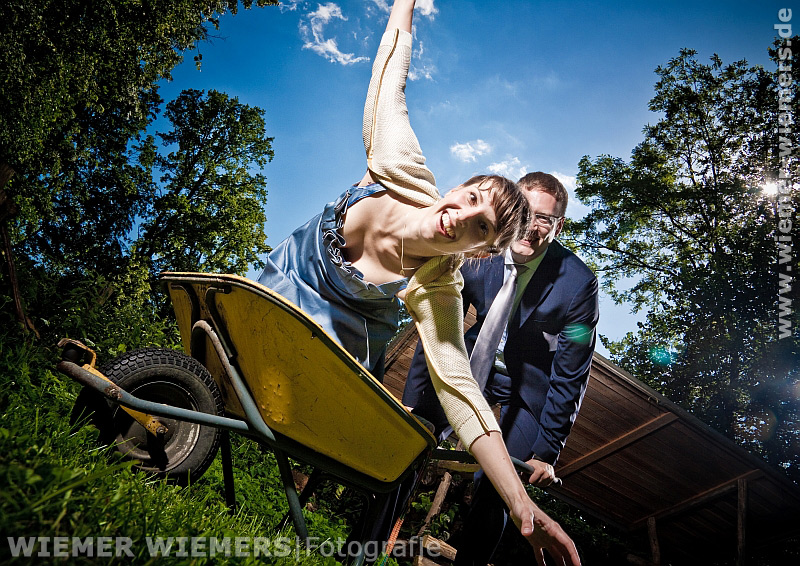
point(652, 534)
point(741, 522)
point(457, 467)
point(617, 444)
point(699, 499)
point(436, 506)
point(438, 548)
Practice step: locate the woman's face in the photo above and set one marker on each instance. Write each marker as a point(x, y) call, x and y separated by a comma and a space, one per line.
point(463, 221)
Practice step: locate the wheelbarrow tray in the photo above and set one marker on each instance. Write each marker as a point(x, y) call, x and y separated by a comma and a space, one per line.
point(306, 387)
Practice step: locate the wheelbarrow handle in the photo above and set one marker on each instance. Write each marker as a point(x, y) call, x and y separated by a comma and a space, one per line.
point(467, 458)
point(524, 467)
point(122, 397)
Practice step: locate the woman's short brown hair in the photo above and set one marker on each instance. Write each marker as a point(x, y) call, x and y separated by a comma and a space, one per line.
point(510, 207)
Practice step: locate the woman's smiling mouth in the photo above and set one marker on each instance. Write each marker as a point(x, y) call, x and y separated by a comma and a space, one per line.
point(446, 226)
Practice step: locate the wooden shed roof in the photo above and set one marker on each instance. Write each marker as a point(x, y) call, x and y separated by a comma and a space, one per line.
point(635, 457)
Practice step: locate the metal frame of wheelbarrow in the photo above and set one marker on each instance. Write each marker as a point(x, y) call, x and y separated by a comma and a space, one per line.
point(252, 426)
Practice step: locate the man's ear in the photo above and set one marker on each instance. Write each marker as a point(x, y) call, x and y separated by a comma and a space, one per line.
point(559, 226)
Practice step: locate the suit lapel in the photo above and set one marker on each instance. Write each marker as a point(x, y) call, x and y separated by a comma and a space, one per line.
point(539, 286)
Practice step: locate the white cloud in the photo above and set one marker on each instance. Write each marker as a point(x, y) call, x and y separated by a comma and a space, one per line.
point(511, 168)
point(289, 5)
point(383, 5)
point(312, 32)
point(568, 181)
point(423, 7)
point(427, 8)
point(469, 151)
point(420, 67)
point(423, 71)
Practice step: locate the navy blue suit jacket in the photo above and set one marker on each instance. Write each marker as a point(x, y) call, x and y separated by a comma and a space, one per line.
point(551, 338)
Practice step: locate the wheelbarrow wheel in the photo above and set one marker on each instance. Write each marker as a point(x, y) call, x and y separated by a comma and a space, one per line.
point(186, 450)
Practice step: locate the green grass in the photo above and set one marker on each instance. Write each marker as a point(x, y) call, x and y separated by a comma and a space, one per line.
point(58, 483)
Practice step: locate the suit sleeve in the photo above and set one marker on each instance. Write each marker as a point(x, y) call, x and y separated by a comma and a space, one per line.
point(569, 374)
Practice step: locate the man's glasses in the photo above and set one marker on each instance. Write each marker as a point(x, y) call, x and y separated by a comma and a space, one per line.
point(545, 219)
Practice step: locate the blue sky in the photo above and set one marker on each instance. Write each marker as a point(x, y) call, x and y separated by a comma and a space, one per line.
point(507, 87)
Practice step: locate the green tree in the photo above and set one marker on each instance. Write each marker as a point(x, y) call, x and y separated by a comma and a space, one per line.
point(64, 64)
point(685, 230)
point(208, 213)
point(78, 87)
point(79, 82)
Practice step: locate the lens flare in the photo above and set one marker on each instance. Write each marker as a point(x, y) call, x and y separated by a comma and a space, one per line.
point(764, 425)
point(661, 356)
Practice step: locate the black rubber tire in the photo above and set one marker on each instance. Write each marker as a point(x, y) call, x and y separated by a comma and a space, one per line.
point(90, 408)
point(172, 378)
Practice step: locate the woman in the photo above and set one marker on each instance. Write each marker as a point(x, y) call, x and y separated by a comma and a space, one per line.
point(391, 236)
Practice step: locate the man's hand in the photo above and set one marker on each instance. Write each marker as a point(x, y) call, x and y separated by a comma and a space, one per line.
point(543, 475)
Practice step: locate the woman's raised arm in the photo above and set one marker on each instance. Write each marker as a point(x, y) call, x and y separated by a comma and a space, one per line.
point(394, 157)
point(401, 16)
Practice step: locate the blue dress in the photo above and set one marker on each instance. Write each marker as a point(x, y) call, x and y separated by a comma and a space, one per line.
point(309, 269)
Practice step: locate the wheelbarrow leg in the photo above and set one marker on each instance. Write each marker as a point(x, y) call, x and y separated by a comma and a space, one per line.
point(311, 486)
point(376, 506)
point(295, 508)
point(227, 471)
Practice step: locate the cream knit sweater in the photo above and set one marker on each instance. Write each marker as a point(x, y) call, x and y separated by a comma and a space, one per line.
point(433, 295)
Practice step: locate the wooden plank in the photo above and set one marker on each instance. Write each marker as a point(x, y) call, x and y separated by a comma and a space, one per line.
point(702, 498)
point(618, 444)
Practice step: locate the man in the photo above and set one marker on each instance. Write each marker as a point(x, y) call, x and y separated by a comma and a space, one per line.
point(542, 365)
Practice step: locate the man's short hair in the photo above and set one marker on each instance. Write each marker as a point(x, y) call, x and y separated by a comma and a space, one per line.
point(546, 183)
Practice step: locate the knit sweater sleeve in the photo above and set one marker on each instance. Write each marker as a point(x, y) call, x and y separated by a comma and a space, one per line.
point(433, 298)
point(433, 295)
point(393, 153)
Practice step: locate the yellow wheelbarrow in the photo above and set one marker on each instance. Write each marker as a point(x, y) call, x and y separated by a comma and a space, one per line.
point(259, 366)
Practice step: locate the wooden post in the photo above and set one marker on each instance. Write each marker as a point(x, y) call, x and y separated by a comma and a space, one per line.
point(655, 551)
point(438, 499)
point(741, 523)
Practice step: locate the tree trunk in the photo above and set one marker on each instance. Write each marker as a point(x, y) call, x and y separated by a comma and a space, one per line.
point(8, 210)
point(6, 172)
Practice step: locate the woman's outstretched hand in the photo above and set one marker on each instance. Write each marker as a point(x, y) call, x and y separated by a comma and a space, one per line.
point(543, 533)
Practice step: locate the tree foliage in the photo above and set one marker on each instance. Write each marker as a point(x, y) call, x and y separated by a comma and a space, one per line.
point(685, 230)
point(207, 214)
point(64, 64)
point(78, 92)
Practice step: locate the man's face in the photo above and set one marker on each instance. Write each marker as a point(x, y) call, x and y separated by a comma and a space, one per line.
point(540, 233)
